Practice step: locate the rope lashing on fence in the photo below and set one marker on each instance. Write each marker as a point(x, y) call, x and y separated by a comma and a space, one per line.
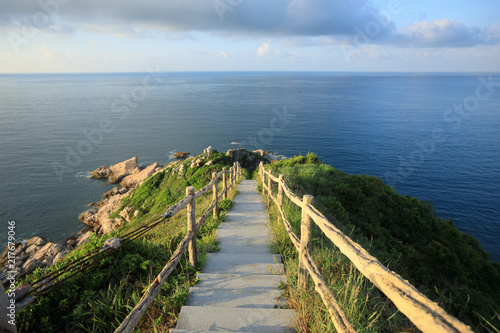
point(424, 313)
point(26, 293)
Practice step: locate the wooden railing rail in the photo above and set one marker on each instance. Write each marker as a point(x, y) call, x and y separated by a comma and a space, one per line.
point(188, 242)
point(425, 314)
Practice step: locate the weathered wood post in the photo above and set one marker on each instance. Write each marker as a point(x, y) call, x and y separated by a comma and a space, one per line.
point(215, 195)
point(238, 170)
point(260, 171)
point(224, 182)
point(233, 174)
point(280, 191)
point(305, 241)
point(269, 189)
point(263, 179)
point(191, 225)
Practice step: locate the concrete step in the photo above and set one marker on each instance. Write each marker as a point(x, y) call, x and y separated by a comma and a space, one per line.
point(211, 318)
point(238, 247)
point(235, 298)
point(244, 235)
point(243, 264)
point(233, 281)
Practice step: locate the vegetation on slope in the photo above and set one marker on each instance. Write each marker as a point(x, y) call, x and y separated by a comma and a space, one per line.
point(404, 233)
point(98, 299)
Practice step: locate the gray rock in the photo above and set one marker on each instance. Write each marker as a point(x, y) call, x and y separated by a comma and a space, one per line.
point(101, 172)
point(83, 238)
point(38, 241)
point(30, 265)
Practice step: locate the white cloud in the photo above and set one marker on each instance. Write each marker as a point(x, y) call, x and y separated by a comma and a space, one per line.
point(224, 54)
point(263, 50)
point(445, 33)
point(49, 54)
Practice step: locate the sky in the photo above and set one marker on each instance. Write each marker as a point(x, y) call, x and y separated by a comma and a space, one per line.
point(71, 36)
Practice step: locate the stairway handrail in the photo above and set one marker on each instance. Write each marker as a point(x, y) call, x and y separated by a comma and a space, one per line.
point(188, 242)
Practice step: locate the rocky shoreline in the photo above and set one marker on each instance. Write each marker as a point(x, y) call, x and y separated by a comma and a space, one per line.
point(43, 252)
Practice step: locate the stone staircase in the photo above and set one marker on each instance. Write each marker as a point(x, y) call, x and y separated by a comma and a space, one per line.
point(238, 287)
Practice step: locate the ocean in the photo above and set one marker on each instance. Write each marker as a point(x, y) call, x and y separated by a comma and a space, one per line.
point(433, 136)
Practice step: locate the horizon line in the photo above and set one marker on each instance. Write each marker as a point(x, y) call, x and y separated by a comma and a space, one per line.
point(257, 71)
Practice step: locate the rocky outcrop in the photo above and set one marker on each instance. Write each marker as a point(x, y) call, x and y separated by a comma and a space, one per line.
point(43, 252)
point(98, 217)
point(101, 172)
point(130, 175)
point(35, 252)
point(247, 159)
point(180, 155)
point(136, 179)
point(116, 172)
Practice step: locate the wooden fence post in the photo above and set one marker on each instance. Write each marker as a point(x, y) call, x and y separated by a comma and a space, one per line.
point(269, 190)
point(233, 174)
point(305, 241)
point(224, 182)
point(215, 195)
point(191, 225)
point(280, 191)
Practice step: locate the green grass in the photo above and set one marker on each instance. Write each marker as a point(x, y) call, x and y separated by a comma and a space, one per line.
point(404, 233)
point(98, 299)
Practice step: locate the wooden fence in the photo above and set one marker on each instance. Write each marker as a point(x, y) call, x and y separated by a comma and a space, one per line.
point(230, 176)
point(425, 314)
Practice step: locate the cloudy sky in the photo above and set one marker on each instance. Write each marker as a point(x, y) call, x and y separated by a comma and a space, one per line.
point(249, 35)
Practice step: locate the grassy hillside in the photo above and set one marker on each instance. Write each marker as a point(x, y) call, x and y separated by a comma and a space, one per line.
point(404, 233)
point(98, 299)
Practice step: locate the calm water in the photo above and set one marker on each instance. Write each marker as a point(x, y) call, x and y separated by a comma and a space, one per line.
point(55, 129)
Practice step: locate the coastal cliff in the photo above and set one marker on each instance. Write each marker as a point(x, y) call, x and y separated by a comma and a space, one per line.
point(101, 218)
point(401, 231)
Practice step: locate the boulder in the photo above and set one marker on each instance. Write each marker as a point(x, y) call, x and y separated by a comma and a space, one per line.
point(30, 265)
point(180, 155)
point(121, 170)
point(107, 226)
point(48, 251)
point(115, 191)
point(71, 241)
point(31, 249)
point(125, 213)
point(247, 159)
point(101, 172)
point(83, 238)
point(38, 241)
point(135, 179)
point(58, 257)
point(85, 216)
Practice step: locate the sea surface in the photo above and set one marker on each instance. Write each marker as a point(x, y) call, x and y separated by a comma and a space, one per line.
point(432, 136)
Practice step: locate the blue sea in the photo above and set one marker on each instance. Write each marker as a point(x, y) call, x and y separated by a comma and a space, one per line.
point(432, 136)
